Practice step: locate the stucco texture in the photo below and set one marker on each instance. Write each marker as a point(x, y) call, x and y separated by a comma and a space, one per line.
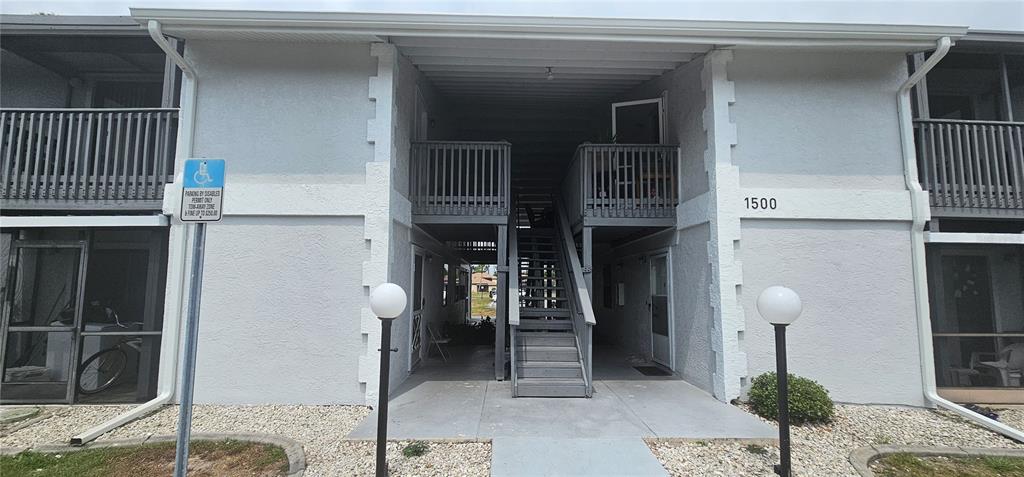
point(281, 311)
point(817, 120)
point(857, 335)
point(24, 84)
point(295, 111)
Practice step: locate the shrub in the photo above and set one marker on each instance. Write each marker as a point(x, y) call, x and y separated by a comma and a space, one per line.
point(415, 449)
point(808, 400)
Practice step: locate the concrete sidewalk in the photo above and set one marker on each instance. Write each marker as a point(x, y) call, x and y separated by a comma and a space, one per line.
point(461, 400)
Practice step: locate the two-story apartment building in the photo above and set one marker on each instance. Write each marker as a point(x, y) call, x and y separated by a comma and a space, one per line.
point(638, 182)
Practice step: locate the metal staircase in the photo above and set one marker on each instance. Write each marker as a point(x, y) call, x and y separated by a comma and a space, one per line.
point(550, 334)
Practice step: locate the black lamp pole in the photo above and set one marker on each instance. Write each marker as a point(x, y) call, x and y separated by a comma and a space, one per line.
point(382, 399)
point(783, 468)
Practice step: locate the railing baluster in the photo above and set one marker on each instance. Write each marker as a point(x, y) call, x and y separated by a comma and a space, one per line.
point(1004, 158)
point(42, 182)
point(7, 143)
point(165, 155)
point(134, 192)
point(1018, 166)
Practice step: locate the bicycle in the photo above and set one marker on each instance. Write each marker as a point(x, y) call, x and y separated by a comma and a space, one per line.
point(102, 370)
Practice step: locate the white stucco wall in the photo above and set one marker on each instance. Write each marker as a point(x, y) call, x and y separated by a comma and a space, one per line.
point(24, 84)
point(285, 316)
point(280, 311)
point(817, 120)
point(818, 133)
point(857, 335)
point(285, 112)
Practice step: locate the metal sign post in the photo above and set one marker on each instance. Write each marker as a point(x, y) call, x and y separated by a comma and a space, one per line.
point(202, 197)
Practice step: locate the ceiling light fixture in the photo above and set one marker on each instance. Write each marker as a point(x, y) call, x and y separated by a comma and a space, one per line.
point(551, 74)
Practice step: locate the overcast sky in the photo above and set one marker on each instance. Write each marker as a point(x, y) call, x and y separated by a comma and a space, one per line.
point(997, 15)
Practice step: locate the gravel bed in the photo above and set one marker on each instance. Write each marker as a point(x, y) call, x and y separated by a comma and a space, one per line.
point(1012, 417)
point(320, 429)
point(824, 450)
point(60, 424)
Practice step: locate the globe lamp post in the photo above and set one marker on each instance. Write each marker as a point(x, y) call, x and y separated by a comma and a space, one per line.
point(781, 306)
point(387, 301)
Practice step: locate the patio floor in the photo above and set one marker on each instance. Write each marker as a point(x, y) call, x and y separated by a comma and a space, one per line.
point(461, 399)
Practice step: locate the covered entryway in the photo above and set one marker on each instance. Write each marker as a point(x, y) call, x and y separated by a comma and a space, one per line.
point(568, 150)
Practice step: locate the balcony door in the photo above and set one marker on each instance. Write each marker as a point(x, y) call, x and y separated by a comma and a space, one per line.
point(43, 287)
point(639, 122)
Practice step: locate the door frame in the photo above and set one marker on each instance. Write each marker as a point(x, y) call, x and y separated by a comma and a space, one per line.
point(660, 100)
point(670, 306)
point(74, 329)
point(422, 253)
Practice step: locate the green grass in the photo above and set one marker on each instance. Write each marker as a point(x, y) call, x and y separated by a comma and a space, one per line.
point(229, 457)
point(908, 465)
point(415, 449)
point(480, 302)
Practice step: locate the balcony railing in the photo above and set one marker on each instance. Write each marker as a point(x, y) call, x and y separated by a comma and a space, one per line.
point(86, 158)
point(460, 178)
point(971, 164)
point(622, 181)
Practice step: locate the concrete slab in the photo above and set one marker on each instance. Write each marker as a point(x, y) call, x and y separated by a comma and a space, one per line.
point(460, 399)
point(677, 409)
point(546, 456)
point(600, 416)
point(430, 410)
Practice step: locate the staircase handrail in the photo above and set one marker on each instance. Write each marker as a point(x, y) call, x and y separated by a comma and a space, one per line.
point(568, 246)
point(513, 272)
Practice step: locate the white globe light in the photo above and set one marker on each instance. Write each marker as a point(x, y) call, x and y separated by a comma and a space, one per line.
point(779, 305)
point(387, 301)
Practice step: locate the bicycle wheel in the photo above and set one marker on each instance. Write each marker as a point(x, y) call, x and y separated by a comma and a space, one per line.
point(101, 370)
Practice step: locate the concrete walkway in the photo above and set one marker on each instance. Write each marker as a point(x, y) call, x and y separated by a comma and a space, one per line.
point(545, 456)
point(602, 435)
point(461, 400)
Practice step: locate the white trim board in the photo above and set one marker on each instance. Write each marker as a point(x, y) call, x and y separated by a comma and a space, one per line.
point(977, 238)
point(85, 221)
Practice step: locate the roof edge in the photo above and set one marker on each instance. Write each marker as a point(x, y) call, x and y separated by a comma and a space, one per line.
point(69, 24)
point(185, 21)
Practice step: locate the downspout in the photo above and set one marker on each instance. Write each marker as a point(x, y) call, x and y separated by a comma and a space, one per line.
point(921, 213)
point(168, 367)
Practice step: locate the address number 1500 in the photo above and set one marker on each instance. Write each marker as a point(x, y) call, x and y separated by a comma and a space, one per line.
point(758, 203)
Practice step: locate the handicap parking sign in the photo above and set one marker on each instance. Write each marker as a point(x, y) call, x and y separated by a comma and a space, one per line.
point(202, 190)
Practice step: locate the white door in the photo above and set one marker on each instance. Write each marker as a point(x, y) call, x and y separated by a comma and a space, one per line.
point(416, 327)
point(661, 340)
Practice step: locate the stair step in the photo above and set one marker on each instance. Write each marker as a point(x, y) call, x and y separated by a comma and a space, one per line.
point(546, 339)
point(532, 324)
point(547, 353)
point(536, 287)
point(543, 298)
point(551, 387)
point(549, 369)
point(537, 259)
point(535, 312)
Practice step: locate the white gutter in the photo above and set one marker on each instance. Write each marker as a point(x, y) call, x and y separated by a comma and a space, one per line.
point(177, 262)
point(921, 213)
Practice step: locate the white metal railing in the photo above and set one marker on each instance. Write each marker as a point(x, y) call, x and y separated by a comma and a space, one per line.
point(580, 305)
point(971, 164)
point(460, 178)
point(116, 156)
point(622, 180)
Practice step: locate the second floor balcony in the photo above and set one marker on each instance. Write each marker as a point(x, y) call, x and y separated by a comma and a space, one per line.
point(622, 184)
point(972, 165)
point(86, 159)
